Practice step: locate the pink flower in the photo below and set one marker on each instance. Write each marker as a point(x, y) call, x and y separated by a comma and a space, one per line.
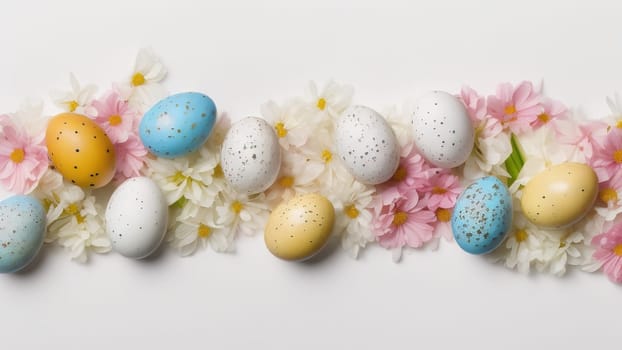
point(607, 158)
point(583, 135)
point(412, 172)
point(551, 110)
point(516, 109)
point(405, 221)
point(130, 157)
point(442, 191)
point(475, 104)
point(23, 158)
point(609, 252)
point(116, 117)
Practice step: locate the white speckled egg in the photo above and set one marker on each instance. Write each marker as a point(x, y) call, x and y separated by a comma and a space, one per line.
point(443, 132)
point(367, 145)
point(250, 156)
point(136, 217)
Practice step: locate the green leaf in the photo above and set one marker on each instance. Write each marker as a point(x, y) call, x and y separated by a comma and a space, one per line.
point(515, 161)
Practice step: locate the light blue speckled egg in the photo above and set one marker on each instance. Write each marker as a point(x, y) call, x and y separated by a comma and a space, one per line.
point(178, 124)
point(482, 216)
point(22, 229)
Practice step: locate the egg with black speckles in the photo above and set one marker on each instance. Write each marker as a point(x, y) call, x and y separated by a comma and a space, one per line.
point(443, 132)
point(250, 156)
point(178, 124)
point(482, 216)
point(366, 145)
point(560, 195)
point(80, 150)
point(300, 227)
point(22, 230)
point(136, 218)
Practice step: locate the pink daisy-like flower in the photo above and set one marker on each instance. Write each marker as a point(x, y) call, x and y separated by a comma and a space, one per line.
point(131, 156)
point(609, 252)
point(23, 158)
point(116, 117)
point(516, 108)
point(582, 135)
point(406, 221)
point(442, 191)
point(607, 158)
point(412, 173)
point(474, 103)
point(551, 110)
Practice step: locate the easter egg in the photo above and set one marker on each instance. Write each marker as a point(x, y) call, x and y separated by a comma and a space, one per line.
point(22, 229)
point(560, 195)
point(367, 145)
point(482, 216)
point(250, 156)
point(80, 150)
point(443, 132)
point(178, 124)
point(136, 218)
point(300, 227)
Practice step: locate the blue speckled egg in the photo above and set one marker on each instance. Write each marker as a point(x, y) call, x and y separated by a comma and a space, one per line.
point(22, 229)
point(178, 124)
point(482, 216)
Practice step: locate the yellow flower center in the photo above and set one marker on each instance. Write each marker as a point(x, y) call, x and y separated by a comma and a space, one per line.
point(115, 120)
point(443, 215)
point(617, 156)
point(400, 218)
point(562, 244)
point(181, 202)
point(286, 181)
point(73, 105)
point(177, 178)
point(521, 235)
point(327, 155)
point(17, 156)
point(280, 130)
point(138, 79)
point(544, 118)
point(218, 171)
point(619, 124)
point(609, 195)
point(618, 250)
point(438, 190)
point(510, 109)
point(351, 211)
point(237, 207)
point(74, 209)
point(321, 103)
point(203, 231)
point(400, 174)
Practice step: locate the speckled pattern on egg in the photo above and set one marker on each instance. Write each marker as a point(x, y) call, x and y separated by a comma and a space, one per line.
point(299, 228)
point(178, 124)
point(22, 229)
point(443, 132)
point(367, 145)
point(136, 217)
point(80, 150)
point(251, 155)
point(482, 216)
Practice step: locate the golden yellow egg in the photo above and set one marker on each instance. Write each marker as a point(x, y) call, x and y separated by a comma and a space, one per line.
point(80, 150)
point(300, 227)
point(560, 196)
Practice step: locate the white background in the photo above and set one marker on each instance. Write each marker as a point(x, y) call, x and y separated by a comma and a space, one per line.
point(243, 54)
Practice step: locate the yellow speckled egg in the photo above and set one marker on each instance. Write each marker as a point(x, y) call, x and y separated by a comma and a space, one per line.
point(560, 196)
point(80, 150)
point(300, 227)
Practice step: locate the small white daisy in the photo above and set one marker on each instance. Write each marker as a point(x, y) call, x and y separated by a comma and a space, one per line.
point(78, 99)
point(333, 99)
point(200, 230)
point(242, 214)
point(292, 122)
point(298, 175)
point(143, 87)
point(353, 219)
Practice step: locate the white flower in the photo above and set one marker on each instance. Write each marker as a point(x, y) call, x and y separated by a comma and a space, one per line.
point(492, 147)
point(142, 88)
point(30, 117)
point(353, 219)
point(240, 213)
point(298, 175)
point(292, 122)
point(78, 99)
point(320, 151)
point(332, 100)
point(188, 177)
point(81, 230)
point(400, 122)
point(200, 230)
point(58, 195)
